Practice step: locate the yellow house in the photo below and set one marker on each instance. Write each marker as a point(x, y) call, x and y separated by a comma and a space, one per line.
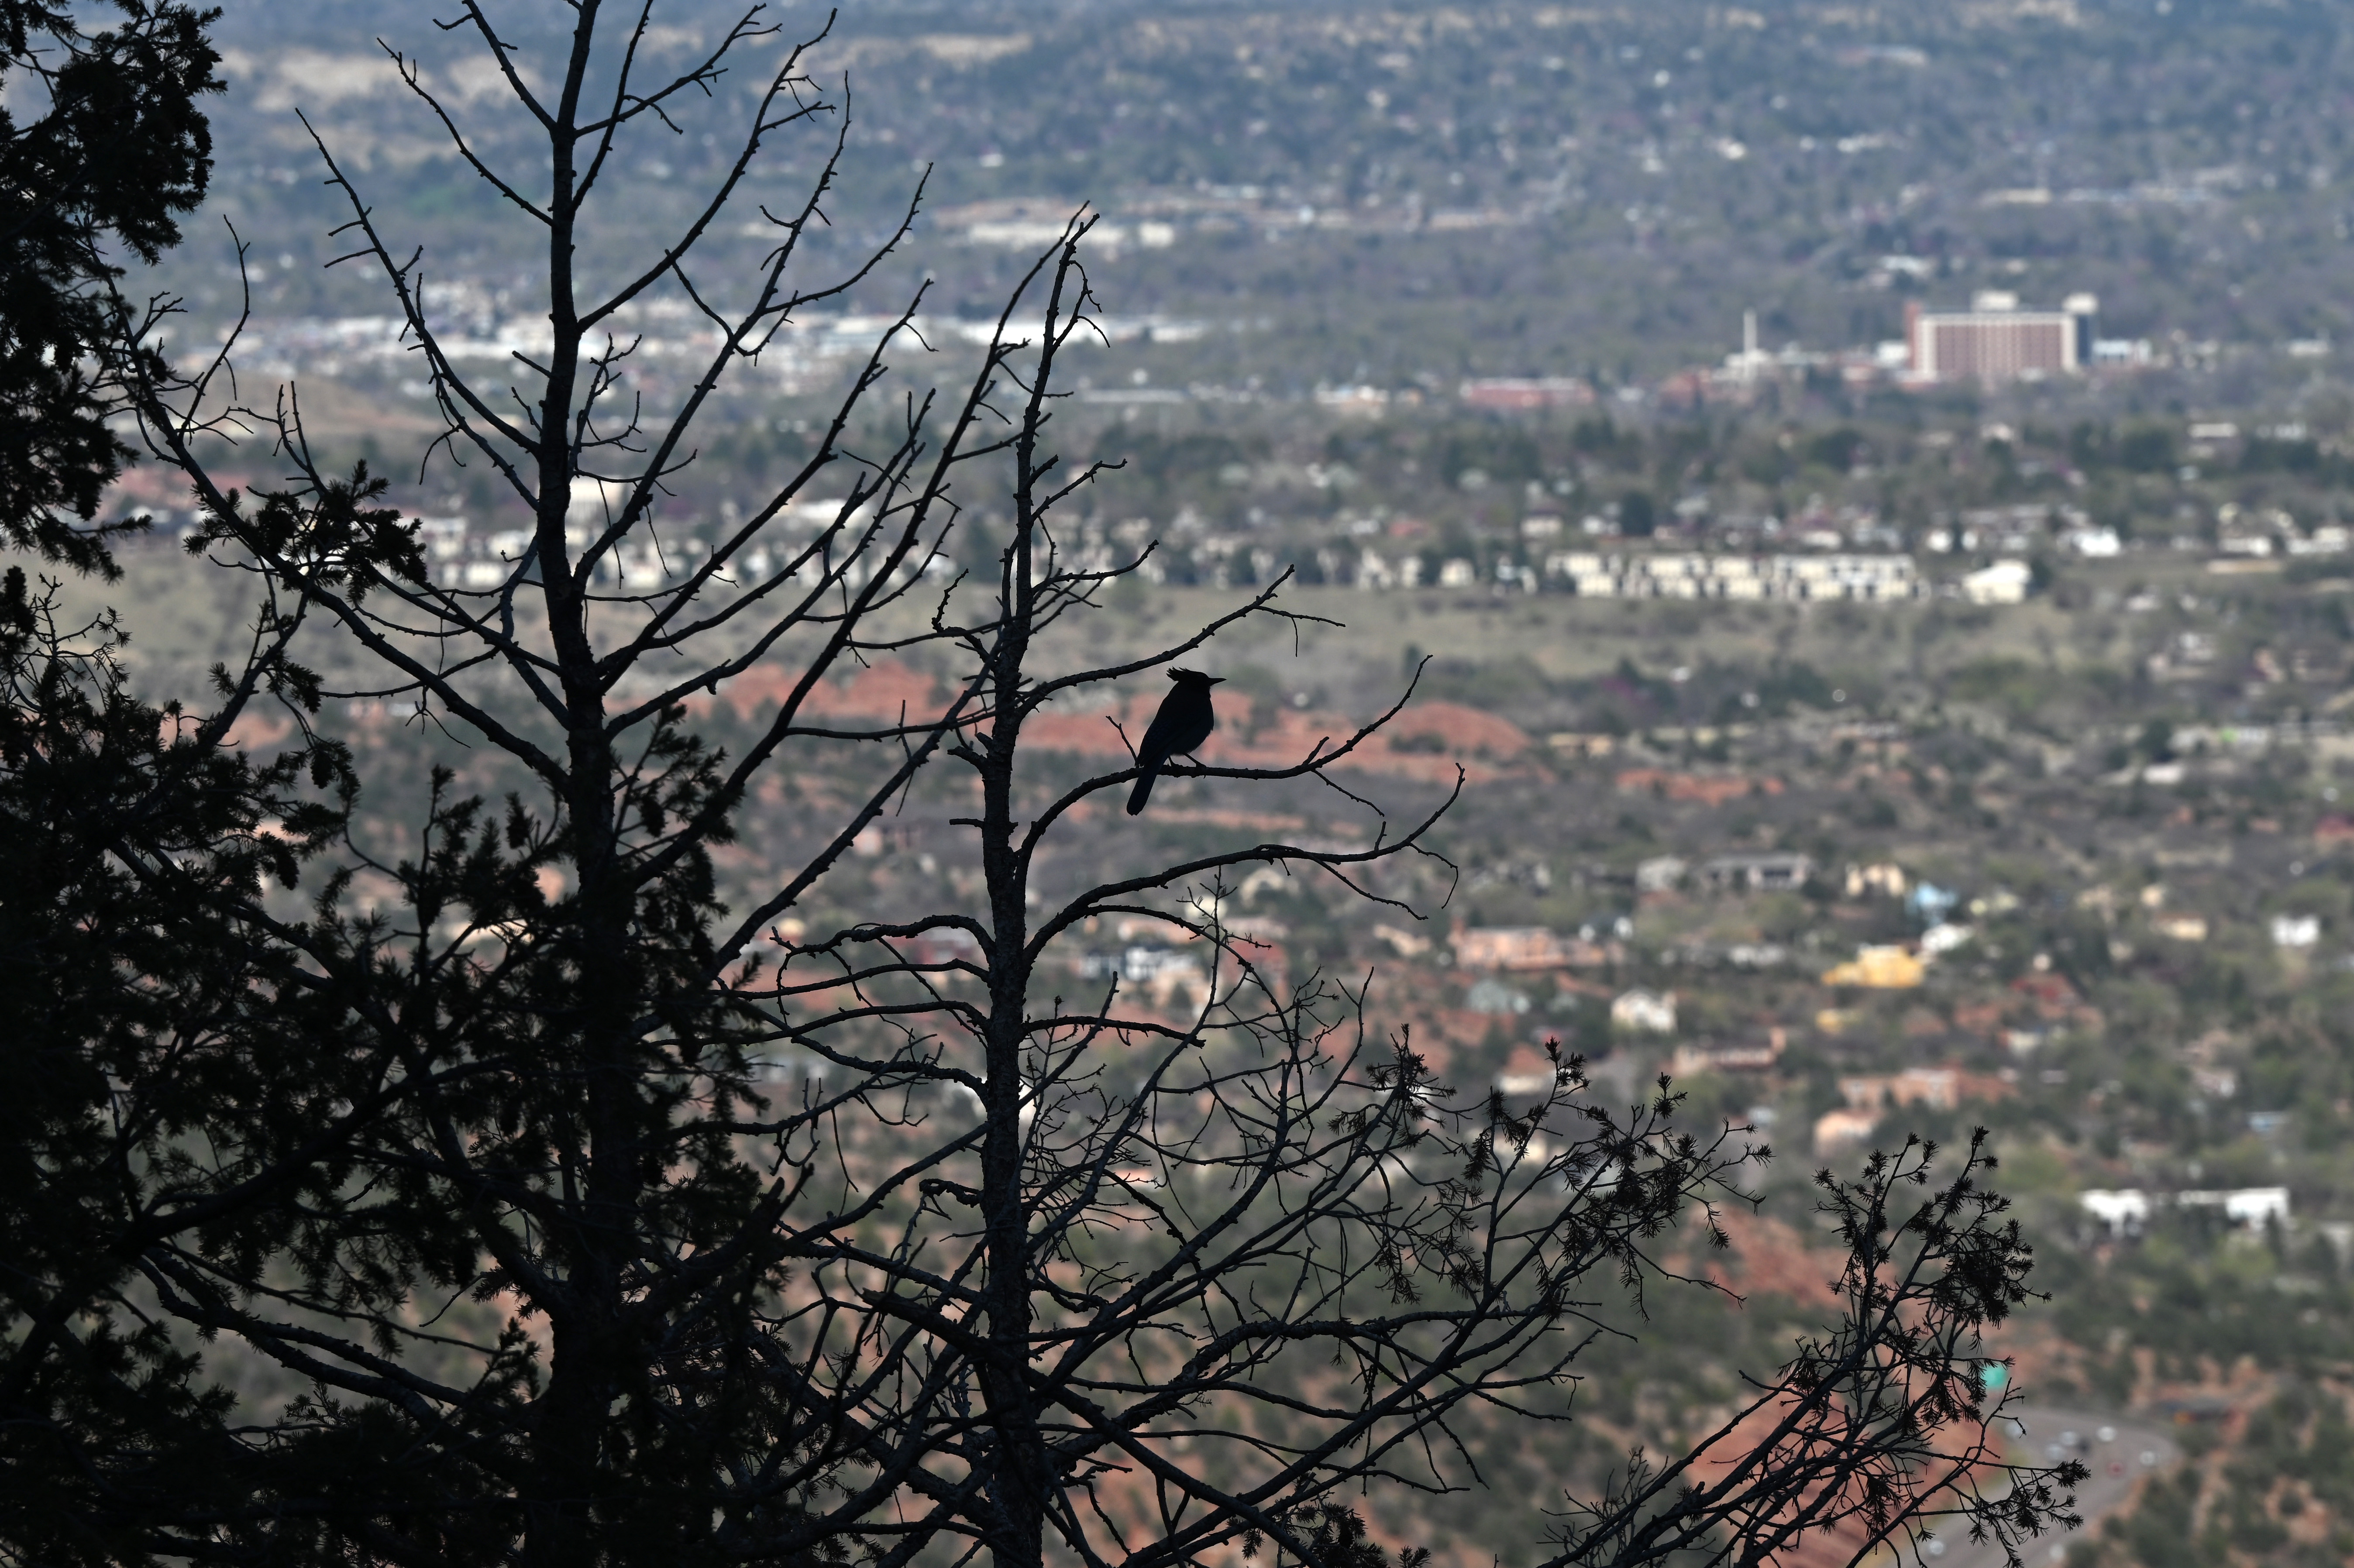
point(1881, 969)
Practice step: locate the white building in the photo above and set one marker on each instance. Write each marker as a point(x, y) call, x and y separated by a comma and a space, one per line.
point(2295, 930)
point(1878, 579)
point(1644, 1013)
point(2127, 1210)
point(1659, 873)
point(2004, 582)
point(2241, 1205)
point(1943, 938)
point(2124, 1212)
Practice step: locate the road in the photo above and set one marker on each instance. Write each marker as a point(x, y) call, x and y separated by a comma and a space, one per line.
point(2136, 1447)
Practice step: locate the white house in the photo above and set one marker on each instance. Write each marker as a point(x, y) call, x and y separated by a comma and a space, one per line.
point(2124, 1212)
point(2004, 582)
point(1943, 938)
point(2295, 930)
point(1659, 873)
point(1644, 1013)
point(2127, 1210)
point(2242, 1205)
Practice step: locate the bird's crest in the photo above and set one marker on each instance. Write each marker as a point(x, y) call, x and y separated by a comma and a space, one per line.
point(1176, 675)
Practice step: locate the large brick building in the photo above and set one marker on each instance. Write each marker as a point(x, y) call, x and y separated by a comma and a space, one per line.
point(1994, 340)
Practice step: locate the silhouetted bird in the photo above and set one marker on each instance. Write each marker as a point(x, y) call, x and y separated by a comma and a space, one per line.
point(1185, 722)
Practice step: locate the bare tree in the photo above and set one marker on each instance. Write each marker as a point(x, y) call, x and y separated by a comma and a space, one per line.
point(1002, 1267)
point(1881, 1430)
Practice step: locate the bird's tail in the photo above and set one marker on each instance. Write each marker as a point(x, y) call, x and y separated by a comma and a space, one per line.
point(1143, 792)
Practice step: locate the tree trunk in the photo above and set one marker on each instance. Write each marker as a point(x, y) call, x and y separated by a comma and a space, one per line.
point(571, 1428)
point(1019, 1487)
